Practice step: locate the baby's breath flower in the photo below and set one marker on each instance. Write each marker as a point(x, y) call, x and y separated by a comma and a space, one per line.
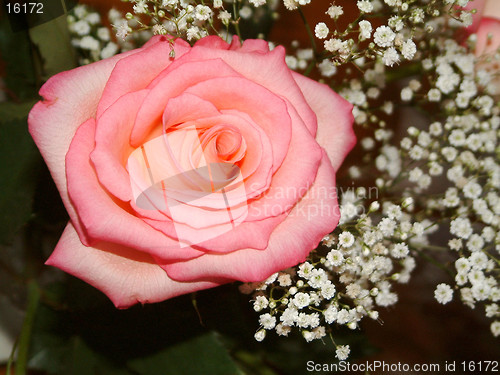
point(390, 57)
point(342, 352)
point(408, 49)
point(257, 3)
point(365, 29)
point(384, 36)
point(267, 321)
point(346, 239)
point(365, 6)
point(321, 30)
point(335, 11)
point(443, 293)
point(260, 335)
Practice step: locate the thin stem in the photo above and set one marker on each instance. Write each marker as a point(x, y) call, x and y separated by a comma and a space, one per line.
point(25, 336)
point(11, 358)
point(309, 31)
point(236, 23)
point(433, 261)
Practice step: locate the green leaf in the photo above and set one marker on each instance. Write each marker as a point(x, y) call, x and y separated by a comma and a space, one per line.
point(18, 161)
point(15, 48)
point(201, 355)
point(52, 39)
point(15, 111)
point(56, 348)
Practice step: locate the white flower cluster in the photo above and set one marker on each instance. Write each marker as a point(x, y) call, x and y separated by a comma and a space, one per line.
point(194, 19)
point(463, 149)
point(302, 58)
point(179, 18)
point(90, 38)
point(346, 279)
point(392, 43)
point(456, 157)
point(93, 41)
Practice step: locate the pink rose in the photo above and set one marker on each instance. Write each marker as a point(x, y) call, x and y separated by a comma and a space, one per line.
point(486, 25)
point(184, 173)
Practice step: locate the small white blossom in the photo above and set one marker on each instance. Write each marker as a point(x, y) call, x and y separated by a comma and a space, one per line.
point(400, 250)
point(365, 6)
point(202, 12)
point(461, 227)
point(408, 49)
point(301, 300)
point(327, 68)
point(346, 239)
point(365, 29)
point(342, 352)
point(390, 57)
point(89, 43)
point(495, 328)
point(384, 36)
point(335, 11)
point(443, 293)
point(260, 303)
point(321, 30)
point(260, 335)
point(267, 321)
point(434, 95)
point(257, 3)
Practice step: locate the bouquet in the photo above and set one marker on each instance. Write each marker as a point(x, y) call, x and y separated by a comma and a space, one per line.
point(260, 182)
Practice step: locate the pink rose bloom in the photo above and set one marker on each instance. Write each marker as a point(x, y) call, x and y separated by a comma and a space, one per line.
point(184, 173)
point(486, 25)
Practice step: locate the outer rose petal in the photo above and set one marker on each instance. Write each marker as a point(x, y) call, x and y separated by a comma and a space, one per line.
point(70, 98)
point(476, 17)
point(289, 244)
point(125, 275)
point(334, 114)
point(154, 55)
point(488, 27)
point(112, 144)
point(491, 9)
point(172, 82)
point(266, 69)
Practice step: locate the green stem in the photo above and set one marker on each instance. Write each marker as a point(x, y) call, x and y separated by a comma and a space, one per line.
point(11, 358)
point(25, 336)
point(236, 23)
point(404, 71)
point(434, 261)
point(309, 32)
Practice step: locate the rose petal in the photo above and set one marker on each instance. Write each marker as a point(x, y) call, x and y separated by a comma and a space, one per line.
point(69, 99)
point(180, 75)
point(488, 36)
point(105, 219)
point(130, 75)
point(253, 235)
point(125, 275)
point(234, 93)
point(314, 216)
point(112, 147)
point(334, 113)
point(476, 17)
point(272, 72)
